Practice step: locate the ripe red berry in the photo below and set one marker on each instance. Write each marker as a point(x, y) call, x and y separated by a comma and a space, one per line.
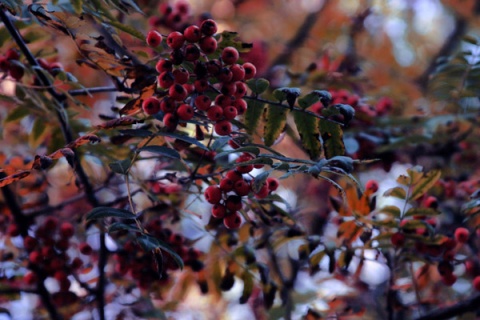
point(166, 79)
point(208, 27)
point(215, 113)
point(398, 239)
point(151, 106)
point(462, 235)
point(223, 100)
point(13, 230)
point(431, 202)
point(219, 211)
point(180, 75)
point(223, 128)
point(233, 221)
point(226, 184)
point(240, 105)
point(192, 33)
point(50, 224)
point(230, 55)
point(154, 38)
point(263, 192)
point(177, 92)
point(272, 184)
point(170, 120)
point(185, 112)
point(234, 203)
point(85, 248)
point(175, 40)
point(225, 75)
point(213, 194)
point(241, 187)
point(476, 283)
point(250, 70)
point(29, 243)
point(372, 186)
point(192, 52)
point(76, 263)
point(177, 57)
point(16, 71)
point(230, 112)
point(234, 175)
point(30, 278)
point(208, 45)
point(228, 89)
point(203, 102)
point(164, 65)
point(449, 279)
point(66, 230)
point(201, 85)
point(35, 257)
point(240, 89)
point(12, 54)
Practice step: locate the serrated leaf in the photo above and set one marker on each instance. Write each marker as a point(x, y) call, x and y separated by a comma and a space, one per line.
point(253, 115)
point(259, 181)
point(120, 166)
point(332, 136)
point(162, 150)
point(426, 182)
point(183, 138)
point(391, 210)
point(248, 284)
point(421, 212)
point(396, 192)
point(258, 85)
point(309, 132)
point(107, 212)
point(274, 124)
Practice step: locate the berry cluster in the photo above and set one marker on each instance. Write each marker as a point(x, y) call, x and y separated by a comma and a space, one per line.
point(9, 64)
point(226, 197)
point(185, 93)
point(171, 17)
point(144, 267)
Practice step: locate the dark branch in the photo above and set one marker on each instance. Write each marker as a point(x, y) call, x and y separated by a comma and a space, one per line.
point(469, 305)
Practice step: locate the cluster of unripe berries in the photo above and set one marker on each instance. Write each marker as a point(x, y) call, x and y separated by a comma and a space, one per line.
point(226, 197)
point(142, 265)
point(185, 93)
point(47, 252)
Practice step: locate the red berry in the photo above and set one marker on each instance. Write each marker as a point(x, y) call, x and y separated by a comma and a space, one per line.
point(444, 267)
point(213, 194)
point(29, 243)
point(449, 279)
point(201, 85)
point(166, 79)
point(85, 248)
point(76, 263)
point(208, 45)
point(215, 113)
point(250, 70)
point(66, 230)
point(175, 40)
point(230, 112)
point(203, 102)
point(16, 71)
point(272, 184)
point(234, 175)
point(431, 202)
point(372, 186)
point(240, 89)
point(219, 211)
point(35, 257)
point(154, 38)
point(185, 112)
point(398, 239)
point(263, 192)
point(177, 57)
point(170, 120)
point(241, 187)
point(177, 92)
point(50, 224)
point(223, 128)
point(234, 203)
point(192, 33)
point(151, 106)
point(246, 168)
point(164, 65)
point(192, 52)
point(233, 221)
point(181, 75)
point(223, 100)
point(476, 283)
point(30, 278)
point(228, 89)
point(12, 54)
point(238, 72)
point(13, 230)
point(208, 27)
point(240, 105)
point(234, 144)
point(226, 184)
point(225, 75)
point(230, 55)
point(462, 235)
point(167, 105)
point(213, 66)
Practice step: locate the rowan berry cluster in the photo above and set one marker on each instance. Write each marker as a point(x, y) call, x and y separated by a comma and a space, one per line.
point(214, 73)
point(227, 196)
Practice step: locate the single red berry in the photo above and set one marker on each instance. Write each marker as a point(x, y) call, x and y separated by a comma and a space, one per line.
point(13, 230)
point(213, 194)
point(213, 67)
point(203, 102)
point(175, 40)
point(244, 168)
point(192, 52)
point(234, 175)
point(240, 105)
point(240, 90)
point(151, 106)
point(449, 279)
point(372, 186)
point(238, 72)
point(201, 85)
point(66, 230)
point(50, 224)
point(398, 239)
point(35, 257)
point(154, 38)
point(226, 184)
point(177, 92)
point(234, 203)
point(431, 202)
point(192, 33)
point(233, 221)
point(224, 100)
point(165, 9)
point(225, 75)
point(250, 70)
point(215, 113)
point(208, 45)
point(62, 244)
point(167, 105)
point(16, 71)
point(230, 112)
point(219, 211)
point(29, 243)
point(12, 54)
point(230, 55)
point(462, 235)
point(208, 27)
point(170, 120)
point(166, 79)
point(476, 283)
point(177, 57)
point(181, 75)
point(30, 278)
point(272, 184)
point(164, 65)
point(185, 112)
point(85, 248)
point(223, 128)
point(76, 263)
point(228, 89)
point(241, 187)
point(263, 192)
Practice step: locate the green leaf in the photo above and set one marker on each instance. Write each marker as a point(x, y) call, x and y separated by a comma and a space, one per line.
point(107, 212)
point(274, 124)
point(77, 6)
point(120, 226)
point(248, 285)
point(258, 85)
point(425, 183)
point(17, 114)
point(149, 243)
point(259, 181)
point(38, 129)
point(332, 136)
point(391, 210)
point(128, 29)
point(120, 166)
point(253, 114)
point(396, 192)
point(307, 127)
point(286, 93)
point(162, 150)
point(421, 212)
point(183, 138)
point(308, 100)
